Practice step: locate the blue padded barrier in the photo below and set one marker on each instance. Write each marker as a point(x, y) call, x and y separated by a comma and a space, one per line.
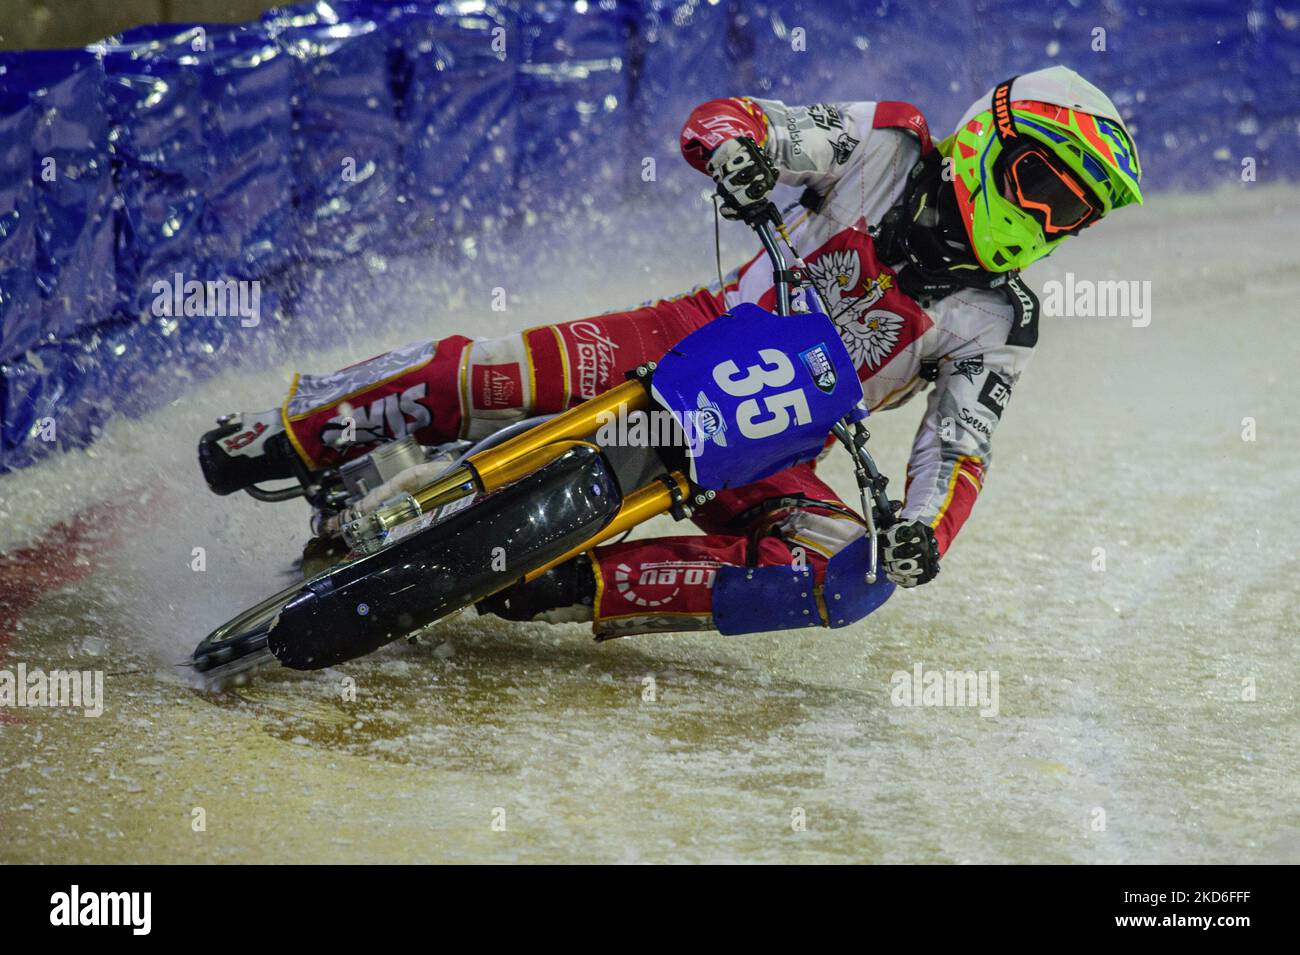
point(481, 135)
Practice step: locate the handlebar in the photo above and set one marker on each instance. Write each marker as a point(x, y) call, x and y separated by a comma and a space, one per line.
point(878, 512)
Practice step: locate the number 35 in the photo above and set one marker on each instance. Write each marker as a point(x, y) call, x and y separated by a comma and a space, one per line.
point(775, 371)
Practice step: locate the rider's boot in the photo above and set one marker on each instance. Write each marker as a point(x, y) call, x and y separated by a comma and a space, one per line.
point(244, 450)
point(332, 418)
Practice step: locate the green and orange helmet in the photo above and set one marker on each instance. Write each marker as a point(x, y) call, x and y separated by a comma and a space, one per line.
point(1041, 157)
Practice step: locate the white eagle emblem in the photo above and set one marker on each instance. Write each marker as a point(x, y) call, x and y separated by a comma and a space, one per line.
point(870, 338)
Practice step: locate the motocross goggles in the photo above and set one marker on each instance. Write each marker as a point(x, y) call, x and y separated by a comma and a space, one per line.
point(1045, 188)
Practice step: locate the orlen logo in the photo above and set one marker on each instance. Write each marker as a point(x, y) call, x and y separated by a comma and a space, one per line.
point(594, 358)
point(714, 129)
point(388, 418)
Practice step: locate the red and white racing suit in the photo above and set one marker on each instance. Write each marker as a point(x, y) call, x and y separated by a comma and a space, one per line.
point(855, 157)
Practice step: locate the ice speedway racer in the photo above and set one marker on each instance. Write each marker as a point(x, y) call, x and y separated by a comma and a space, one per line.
point(457, 473)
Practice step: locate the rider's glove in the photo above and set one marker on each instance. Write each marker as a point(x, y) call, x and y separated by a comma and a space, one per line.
point(910, 553)
point(744, 176)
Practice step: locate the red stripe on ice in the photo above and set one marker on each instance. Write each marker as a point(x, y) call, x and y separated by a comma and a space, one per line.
point(64, 555)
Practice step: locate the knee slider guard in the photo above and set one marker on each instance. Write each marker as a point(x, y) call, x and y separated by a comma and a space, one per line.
point(757, 599)
point(848, 596)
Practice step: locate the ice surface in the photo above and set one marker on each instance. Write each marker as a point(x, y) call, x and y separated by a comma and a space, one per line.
point(1120, 691)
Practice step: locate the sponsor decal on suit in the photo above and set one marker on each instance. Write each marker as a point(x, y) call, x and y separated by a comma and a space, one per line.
point(970, 368)
point(386, 418)
point(497, 387)
point(656, 583)
point(819, 365)
point(593, 358)
point(995, 394)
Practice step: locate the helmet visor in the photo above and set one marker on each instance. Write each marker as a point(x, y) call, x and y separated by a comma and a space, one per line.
point(1038, 184)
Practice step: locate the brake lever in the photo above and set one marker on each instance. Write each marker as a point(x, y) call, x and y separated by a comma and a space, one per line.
point(766, 221)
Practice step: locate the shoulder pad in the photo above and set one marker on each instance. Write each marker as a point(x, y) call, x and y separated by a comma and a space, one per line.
point(895, 114)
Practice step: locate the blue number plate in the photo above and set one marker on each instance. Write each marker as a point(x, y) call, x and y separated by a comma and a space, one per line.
point(756, 392)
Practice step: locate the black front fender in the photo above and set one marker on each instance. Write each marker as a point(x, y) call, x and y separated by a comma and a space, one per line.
point(355, 609)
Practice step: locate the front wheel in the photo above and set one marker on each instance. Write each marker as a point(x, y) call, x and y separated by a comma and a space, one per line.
point(239, 644)
point(466, 552)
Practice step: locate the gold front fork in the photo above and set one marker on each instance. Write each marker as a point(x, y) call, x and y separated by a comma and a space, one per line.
point(523, 454)
point(638, 507)
point(511, 460)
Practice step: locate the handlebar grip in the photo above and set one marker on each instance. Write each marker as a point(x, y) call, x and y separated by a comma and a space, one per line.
point(766, 212)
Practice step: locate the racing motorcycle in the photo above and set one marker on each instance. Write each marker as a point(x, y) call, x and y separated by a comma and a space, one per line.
point(408, 535)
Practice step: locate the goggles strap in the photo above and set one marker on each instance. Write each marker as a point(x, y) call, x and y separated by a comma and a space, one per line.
point(1004, 123)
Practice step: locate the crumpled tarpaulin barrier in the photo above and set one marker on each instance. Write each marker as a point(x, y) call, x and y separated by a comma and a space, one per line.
point(335, 130)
